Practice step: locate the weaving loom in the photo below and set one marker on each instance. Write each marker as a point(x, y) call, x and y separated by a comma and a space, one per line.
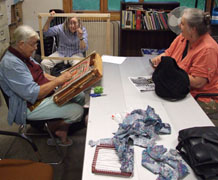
point(98, 28)
point(84, 74)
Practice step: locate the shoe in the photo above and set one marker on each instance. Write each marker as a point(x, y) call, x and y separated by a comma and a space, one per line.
point(51, 142)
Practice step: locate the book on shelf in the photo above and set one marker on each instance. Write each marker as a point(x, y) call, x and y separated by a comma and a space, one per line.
point(133, 19)
point(138, 19)
point(159, 21)
point(149, 19)
point(128, 20)
point(165, 15)
point(163, 21)
point(153, 21)
point(123, 19)
point(156, 21)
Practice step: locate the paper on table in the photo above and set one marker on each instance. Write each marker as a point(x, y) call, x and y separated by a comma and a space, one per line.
point(113, 59)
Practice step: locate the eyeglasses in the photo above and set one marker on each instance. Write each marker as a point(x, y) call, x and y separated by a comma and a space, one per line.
point(73, 23)
point(32, 44)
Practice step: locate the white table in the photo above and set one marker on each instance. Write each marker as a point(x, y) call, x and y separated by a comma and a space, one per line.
point(122, 97)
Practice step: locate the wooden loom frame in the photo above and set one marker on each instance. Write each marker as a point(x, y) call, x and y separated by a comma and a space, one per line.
point(83, 16)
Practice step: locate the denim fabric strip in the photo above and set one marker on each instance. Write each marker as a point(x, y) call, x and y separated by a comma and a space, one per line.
point(169, 166)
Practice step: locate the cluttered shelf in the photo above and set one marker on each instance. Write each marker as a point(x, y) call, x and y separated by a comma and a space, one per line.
point(144, 25)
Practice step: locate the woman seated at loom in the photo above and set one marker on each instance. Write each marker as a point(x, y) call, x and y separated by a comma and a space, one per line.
point(72, 41)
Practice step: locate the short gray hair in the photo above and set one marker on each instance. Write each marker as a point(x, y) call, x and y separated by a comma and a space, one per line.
point(23, 33)
point(198, 19)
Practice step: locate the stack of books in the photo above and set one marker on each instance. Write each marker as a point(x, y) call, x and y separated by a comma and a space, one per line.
point(151, 19)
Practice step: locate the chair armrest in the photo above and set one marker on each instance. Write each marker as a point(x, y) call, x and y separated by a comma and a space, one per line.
point(204, 95)
point(22, 136)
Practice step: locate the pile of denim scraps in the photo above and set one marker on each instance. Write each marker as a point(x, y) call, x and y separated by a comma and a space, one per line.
point(141, 128)
point(125, 153)
point(169, 166)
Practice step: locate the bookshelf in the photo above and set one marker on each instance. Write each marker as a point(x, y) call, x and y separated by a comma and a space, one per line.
point(133, 36)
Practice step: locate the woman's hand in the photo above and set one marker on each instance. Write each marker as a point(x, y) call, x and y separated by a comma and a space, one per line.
point(156, 60)
point(51, 17)
point(46, 88)
point(79, 33)
point(64, 77)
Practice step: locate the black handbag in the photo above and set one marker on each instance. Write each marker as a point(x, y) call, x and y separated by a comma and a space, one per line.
point(198, 146)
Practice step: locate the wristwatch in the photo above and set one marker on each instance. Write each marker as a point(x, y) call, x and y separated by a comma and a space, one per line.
point(81, 39)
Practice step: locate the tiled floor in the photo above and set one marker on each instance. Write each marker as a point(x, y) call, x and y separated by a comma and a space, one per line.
point(13, 147)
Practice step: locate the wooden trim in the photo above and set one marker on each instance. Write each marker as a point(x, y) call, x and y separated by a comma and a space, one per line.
point(209, 6)
point(86, 15)
point(101, 6)
point(105, 8)
point(115, 16)
point(41, 36)
point(67, 5)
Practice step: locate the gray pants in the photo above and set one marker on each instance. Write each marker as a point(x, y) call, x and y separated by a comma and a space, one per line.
point(70, 112)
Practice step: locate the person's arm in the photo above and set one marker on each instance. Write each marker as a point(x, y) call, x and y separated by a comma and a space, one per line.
point(197, 82)
point(156, 60)
point(82, 35)
point(45, 89)
point(47, 24)
point(49, 77)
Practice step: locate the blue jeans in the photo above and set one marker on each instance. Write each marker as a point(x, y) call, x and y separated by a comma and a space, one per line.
point(70, 112)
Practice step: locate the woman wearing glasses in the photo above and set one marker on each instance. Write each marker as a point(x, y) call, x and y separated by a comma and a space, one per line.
point(72, 41)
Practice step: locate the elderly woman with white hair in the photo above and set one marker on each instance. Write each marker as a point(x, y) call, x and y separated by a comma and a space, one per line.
point(72, 41)
point(196, 52)
point(29, 89)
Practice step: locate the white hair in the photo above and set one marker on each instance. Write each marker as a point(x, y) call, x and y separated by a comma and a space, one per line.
point(198, 19)
point(23, 33)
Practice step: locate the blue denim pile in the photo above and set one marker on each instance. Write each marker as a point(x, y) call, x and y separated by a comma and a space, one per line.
point(168, 165)
point(141, 128)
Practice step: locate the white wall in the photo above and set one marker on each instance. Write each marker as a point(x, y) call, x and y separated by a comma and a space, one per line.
point(31, 8)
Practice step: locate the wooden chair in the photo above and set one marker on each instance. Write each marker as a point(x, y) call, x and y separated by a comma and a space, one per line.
point(213, 116)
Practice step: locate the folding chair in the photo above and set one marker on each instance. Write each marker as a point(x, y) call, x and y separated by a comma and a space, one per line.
point(39, 124)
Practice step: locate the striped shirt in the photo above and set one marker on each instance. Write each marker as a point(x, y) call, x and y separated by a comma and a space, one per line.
point(68, 42)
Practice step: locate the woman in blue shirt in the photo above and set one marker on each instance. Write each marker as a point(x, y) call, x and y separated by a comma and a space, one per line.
point(72, 41)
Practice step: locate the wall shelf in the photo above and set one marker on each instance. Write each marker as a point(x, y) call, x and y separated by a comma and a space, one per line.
point(132, 40)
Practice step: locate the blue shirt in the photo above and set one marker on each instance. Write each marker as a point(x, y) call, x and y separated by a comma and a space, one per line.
point(68, 42)
point(17, 82)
